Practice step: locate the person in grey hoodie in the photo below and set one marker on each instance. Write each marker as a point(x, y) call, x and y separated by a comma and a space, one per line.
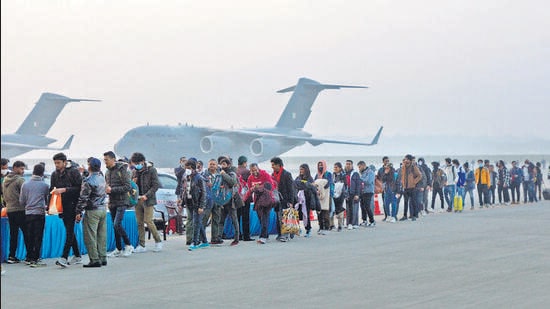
point(11, 188)
point(34, 197)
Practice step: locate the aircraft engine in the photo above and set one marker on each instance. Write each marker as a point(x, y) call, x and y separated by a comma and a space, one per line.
point(217, 144)
point(261, 146)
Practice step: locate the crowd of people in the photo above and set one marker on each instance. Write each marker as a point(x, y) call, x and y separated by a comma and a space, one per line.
point(342, 198)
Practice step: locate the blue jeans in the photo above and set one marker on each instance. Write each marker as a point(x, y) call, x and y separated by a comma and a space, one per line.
point(390, 200)
point(471, 192)
point(117, 214)
point(460, 191)
point(199, 234)
point(449, 192)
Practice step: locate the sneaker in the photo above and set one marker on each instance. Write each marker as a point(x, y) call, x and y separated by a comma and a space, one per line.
point(308, 234)
point(128, 250)
point(385, 219)
point(234, 242)
point(76, 260)
point(13, 260)
point(339, 229)
point(140, 249)
point(27, 261)
point(413, 219)
point(356, 226)
point(392, 220)
point(158, 247)
point(403, 219)
point(116, 253)
point(282, 239)
point(61, 262)
point(262, 241)
point(39, 263)
point(372, 224)
point(203, 245)
point(192, 247)
point(323, 232)
point(350, 227)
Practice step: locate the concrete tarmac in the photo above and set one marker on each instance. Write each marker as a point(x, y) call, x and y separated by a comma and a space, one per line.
point(485, 258)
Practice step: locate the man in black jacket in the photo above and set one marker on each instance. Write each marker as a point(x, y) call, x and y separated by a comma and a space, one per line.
point(285, 185)
point(66, 180)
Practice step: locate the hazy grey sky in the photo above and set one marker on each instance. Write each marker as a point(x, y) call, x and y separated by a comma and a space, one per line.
point(433, 67)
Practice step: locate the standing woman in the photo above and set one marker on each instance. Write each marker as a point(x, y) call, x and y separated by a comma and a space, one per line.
point(304, 182)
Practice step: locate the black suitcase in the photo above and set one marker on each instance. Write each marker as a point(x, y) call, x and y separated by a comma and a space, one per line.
point(546, 194)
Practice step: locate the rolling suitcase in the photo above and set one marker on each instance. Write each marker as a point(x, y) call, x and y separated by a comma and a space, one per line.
point(457, 203)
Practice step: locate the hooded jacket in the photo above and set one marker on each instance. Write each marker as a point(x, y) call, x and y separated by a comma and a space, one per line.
point(118, 178)
point(70, 179)
point(12, 190)
point(262, 186)
point(147, 180)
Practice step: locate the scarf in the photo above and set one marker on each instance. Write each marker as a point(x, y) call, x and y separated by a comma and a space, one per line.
point(277, 175)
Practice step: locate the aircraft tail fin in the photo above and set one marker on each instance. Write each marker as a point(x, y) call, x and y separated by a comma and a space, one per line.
point(298, 109)
point(68, 143)
point(45, 112)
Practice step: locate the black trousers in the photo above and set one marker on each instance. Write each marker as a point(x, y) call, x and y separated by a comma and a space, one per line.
point(435, 192)
point(243, 215)
point(70, 240)
point(35, 233)
point(409, 195)
point(17, 220)
point(365, 207)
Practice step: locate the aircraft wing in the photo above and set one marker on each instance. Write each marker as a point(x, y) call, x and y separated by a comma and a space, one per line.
point(313, 141)
point(29, 147)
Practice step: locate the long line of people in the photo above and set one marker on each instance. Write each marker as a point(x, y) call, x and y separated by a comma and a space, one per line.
point(223, 190)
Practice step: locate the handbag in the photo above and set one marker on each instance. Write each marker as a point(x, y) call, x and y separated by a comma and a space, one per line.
point(55, 207)
point(237, 201)
point(290, 221)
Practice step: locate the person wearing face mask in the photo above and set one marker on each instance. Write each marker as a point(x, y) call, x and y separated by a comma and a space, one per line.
point(483, 181)
point(146, 177)
point(194, 197)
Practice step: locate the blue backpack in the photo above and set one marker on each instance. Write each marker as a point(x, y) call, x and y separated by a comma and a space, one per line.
point(133, 194)
point(221, 193)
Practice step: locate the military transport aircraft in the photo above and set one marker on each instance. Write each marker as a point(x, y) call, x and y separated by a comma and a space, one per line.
point(31, 133)
point(164, 145)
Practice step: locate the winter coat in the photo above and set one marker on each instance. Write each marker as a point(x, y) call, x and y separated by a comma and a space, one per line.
point(92, 193)
point(148, 183)
point(118, 178)
point(12, 190)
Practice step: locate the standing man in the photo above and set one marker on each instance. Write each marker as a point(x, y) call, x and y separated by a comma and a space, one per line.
point(426, 170)
point(243, 213)
point(503, 183)
point(449, 188)
point(439, 179)
point(410, 177)
point(353, 187)
point(229, 178)
point(66, 180)
point(146, 178)
point(483, 180)
point(11, 188)
point(194, 199)
point(367, 192)
point(117, 186)
point(516, 178)
point(212, 208)
point(285, 185)
point(92, 200)
point(34, 194)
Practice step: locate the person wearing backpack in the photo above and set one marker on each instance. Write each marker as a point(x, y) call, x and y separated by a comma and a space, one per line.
point(212, 210)
point(438, 181)
point(228, 181)
point(117, 179)
point(194, 197)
